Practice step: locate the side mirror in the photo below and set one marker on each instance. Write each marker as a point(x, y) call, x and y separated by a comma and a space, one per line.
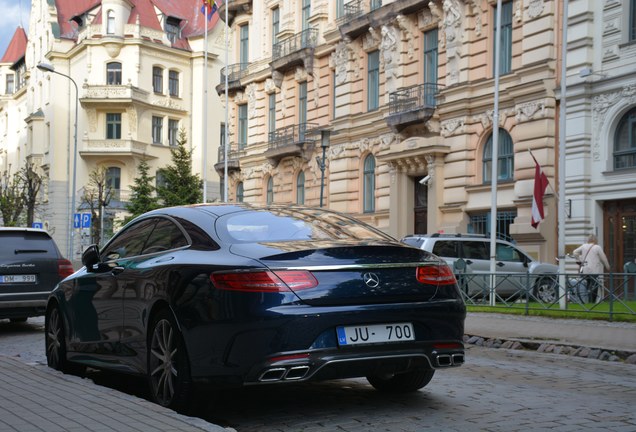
point(90, 257)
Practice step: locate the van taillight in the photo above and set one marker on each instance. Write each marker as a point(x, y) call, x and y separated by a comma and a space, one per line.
point(264, 281)
point(436, 274)
point(64, 268)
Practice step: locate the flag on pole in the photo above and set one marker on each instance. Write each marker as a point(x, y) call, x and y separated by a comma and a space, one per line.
point(211, 7)
point(540, 185)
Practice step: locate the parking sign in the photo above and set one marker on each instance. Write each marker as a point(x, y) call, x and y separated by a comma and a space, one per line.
point(86, 220)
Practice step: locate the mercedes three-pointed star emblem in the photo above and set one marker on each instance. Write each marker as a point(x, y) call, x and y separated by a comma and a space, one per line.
point(371, 279)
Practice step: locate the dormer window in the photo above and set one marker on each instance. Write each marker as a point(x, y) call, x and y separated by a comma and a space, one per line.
point(173, 29)
point(110, 22)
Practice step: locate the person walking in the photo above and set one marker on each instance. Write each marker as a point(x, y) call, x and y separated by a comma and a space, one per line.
point(593, 263)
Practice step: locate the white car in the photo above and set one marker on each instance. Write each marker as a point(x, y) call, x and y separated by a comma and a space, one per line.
point(469, 256)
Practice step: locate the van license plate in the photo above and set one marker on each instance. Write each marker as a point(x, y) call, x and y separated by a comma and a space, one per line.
point(376, 333)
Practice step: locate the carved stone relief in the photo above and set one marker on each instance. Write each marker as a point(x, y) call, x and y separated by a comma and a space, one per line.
point(451, 20)
point(535, 8)
point(251, 100)
point(390, 56)
point(528, 110)
point(341, 59)
point(270, 87)
point(452, 126)
point(92, 119)
point(371, 40)
point(477, 13)
point(600, 105)
point(132, 120)
point(405, 25)
point(300, 74)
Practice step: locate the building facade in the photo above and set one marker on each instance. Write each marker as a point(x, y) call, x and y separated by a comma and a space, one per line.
point(601, 127)
point(405, 88)
point(141, 71)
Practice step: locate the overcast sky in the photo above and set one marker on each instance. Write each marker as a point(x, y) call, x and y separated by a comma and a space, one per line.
point(10, 10)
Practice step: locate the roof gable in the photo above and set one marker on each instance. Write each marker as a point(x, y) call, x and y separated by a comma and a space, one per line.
point(17, 47)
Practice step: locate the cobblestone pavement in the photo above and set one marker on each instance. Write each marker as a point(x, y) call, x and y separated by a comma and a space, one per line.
point(496, 390)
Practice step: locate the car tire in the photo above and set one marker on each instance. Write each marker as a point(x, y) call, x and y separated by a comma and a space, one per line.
point(18, 320)
point(546, 290)
point(55, 343)
point(168, 366)
point(402, 383)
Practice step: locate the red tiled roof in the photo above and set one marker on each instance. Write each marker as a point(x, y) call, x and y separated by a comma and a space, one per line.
point(17, 47)
point(189, 11)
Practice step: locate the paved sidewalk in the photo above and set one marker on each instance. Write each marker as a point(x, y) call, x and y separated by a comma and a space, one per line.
point(39, 399)
point(615, 336)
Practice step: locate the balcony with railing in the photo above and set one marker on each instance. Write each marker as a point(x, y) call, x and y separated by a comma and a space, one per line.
point(411, 105)
point(234, 74)
point(105, 94)
point(112, 147)
point(234, 9)
point(233, 160)
point(359, 15)
point(294, 50)
point(295, 140)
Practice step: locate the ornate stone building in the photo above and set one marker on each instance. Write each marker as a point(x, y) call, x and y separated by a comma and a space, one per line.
point(139, 66)
point(406, 89)
point(601, 127)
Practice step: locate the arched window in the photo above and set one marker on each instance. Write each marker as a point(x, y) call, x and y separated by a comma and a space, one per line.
point(113, 73)
point(270, 191)
point(625, 142)
point(239, 192)
point(506, 160)
point(368, 186)
point(110, 22)
point(300, 188)
point(113, 181)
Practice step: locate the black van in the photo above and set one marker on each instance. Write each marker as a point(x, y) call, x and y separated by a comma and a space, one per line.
point(30, 266)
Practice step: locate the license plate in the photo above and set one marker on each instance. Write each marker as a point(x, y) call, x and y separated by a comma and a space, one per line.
point(376, 333)
point(21, 278)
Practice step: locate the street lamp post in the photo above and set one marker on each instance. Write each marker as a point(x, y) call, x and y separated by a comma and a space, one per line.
point(324, 143)
point(49, 68)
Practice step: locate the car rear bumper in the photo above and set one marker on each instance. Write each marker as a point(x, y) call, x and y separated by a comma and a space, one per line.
point(23, 308)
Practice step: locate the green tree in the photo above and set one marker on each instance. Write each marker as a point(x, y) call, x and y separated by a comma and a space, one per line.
point(181, 186)
point(31, 182)
point(142, 199)
point(11, 198)
point(97, 196)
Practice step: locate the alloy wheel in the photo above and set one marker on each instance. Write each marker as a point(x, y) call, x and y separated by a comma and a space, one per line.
point(53, 339)
point(162, 362)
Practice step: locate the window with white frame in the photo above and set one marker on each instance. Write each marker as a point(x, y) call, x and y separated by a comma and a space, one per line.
point(157, 79)
point(373, 80)
point(173, 83)
point(173, 132)
point(505, 157)
point(239, 192)
point(368, 184)
point(10, 83)
point(269, 199)
point(157, 126)
point(172, 29)
point(505, 45)
point(271, 114)
point(242, 126)
point(113, 73)
point(300, 188)
point(625, 142)
point(113, 126)
point(110, 22)
point(113, 181)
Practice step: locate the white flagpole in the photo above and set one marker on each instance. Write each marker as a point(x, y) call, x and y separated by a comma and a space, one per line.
point(204, 140)
point(227, 139)
point(495, 162)
point(561, 201)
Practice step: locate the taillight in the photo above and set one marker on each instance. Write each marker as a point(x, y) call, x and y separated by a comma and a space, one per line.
point(264, 281)
point(64, 268)
point(435, 275)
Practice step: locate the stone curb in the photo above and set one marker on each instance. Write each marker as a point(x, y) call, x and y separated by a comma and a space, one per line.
point(552, 347)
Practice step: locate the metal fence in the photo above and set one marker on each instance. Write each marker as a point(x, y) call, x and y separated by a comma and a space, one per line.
point(606, 295)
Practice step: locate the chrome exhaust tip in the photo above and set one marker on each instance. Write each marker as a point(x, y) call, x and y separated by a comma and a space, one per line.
point(458, 359)
point(297, 372)
point(274, 374)
point(444, 360)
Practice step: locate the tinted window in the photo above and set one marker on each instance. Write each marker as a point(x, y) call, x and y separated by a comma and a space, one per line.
point(508, 253)
point(165, 236)
point(26, 243)
point(446, 249)
point(129, 242)
point(475, 250)
point(284, 225)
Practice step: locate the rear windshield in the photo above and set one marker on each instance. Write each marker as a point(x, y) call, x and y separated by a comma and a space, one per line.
point(290, 225)
point(26, 243)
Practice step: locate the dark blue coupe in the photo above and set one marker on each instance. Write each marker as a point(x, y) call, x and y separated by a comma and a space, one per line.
point(236, 294)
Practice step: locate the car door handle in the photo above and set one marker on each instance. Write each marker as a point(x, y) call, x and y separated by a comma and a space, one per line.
point(469, 262)
point(164, 259)
point(116, 270)
point(500, 264)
